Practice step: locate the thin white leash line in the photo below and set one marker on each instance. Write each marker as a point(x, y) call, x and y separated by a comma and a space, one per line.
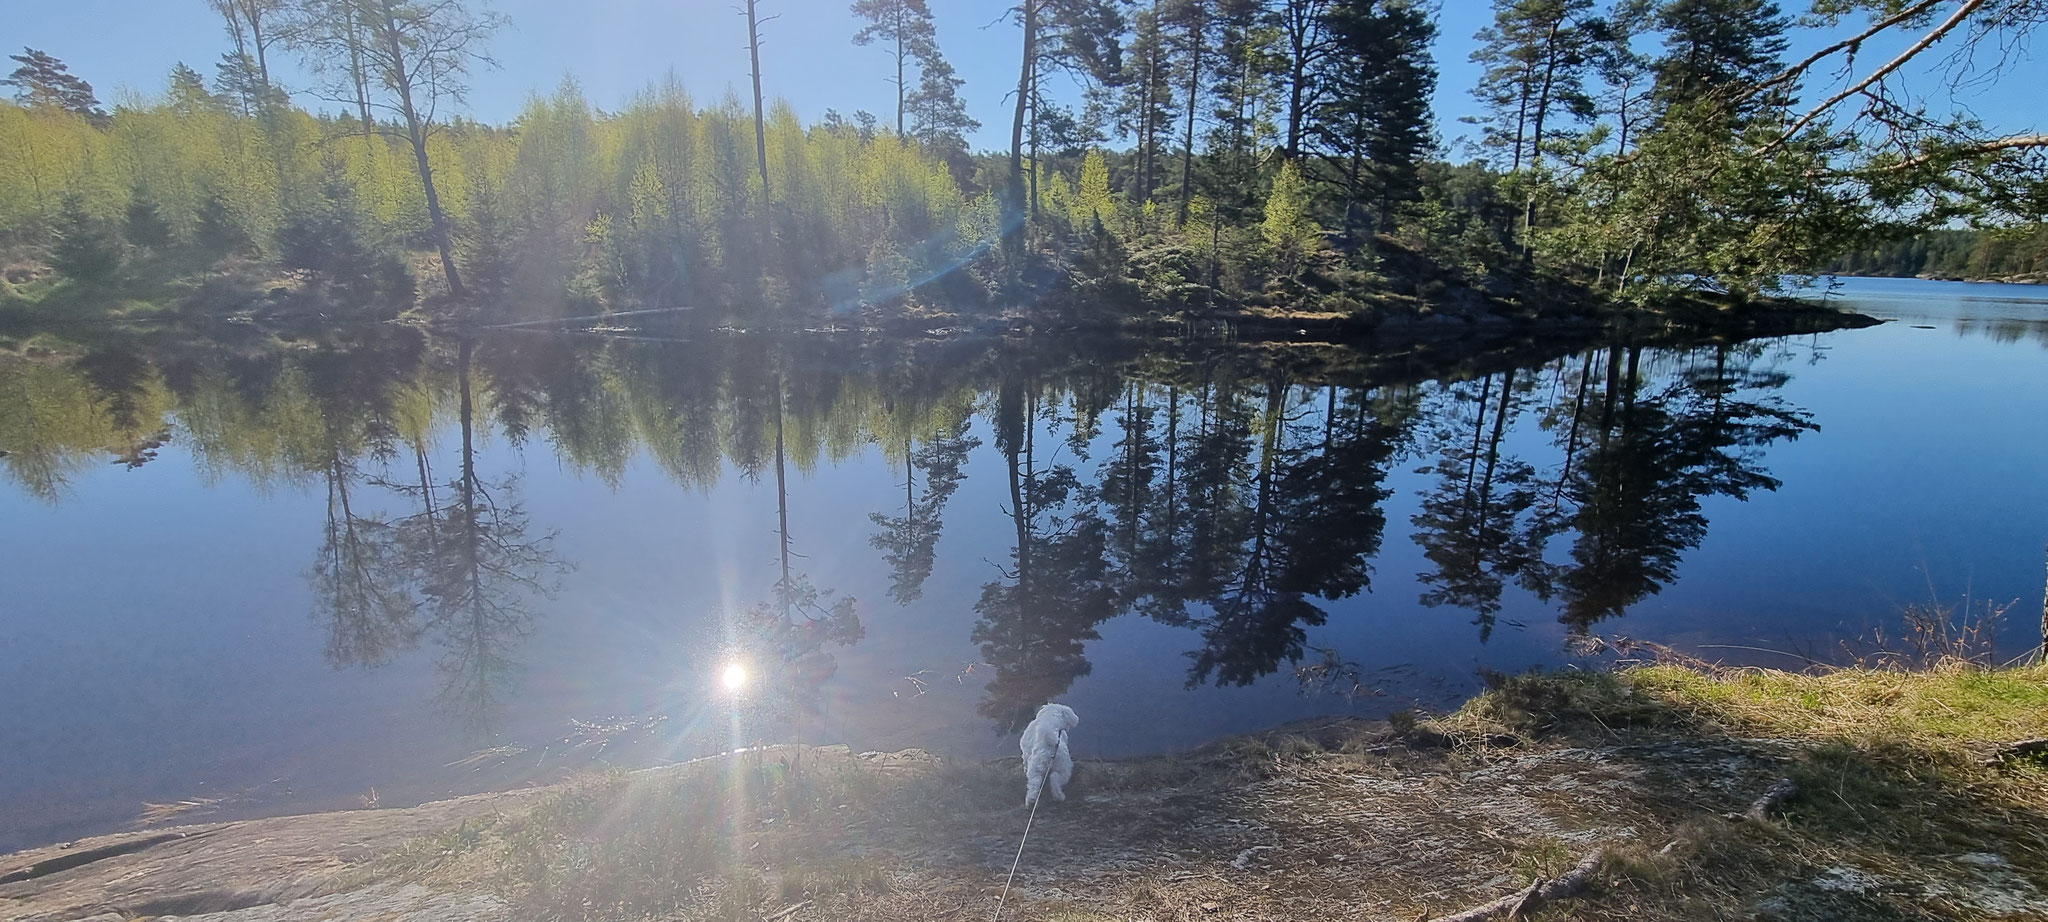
point(1027, 834)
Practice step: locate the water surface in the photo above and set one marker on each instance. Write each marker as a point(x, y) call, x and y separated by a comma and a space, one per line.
point(248, 576)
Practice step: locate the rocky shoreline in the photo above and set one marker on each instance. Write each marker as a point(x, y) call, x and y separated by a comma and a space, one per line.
point(1667, 792)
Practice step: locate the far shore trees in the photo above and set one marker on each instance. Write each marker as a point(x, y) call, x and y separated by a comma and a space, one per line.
point(420, 53)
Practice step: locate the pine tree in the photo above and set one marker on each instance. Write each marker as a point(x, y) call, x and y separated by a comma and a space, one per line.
point(1535, 56)
point(1075, 36)
point(1715, 48)
point(189, 96)
point(1189, 23)
point(939, 118)
point(1374, 128)
point(42, 81)
point(1243, 94)
point(904, 29)
point(1144, 109)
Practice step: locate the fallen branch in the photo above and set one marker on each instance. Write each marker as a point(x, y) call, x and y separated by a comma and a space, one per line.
point(1784, 790)
point(2024, 749)
point(1563, 886)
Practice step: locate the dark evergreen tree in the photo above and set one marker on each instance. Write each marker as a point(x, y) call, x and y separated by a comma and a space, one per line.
point(1717, 49)
point(88, 249)
point(144, 225)
point(330, 238)
point(1374, 128)
point(241, 81)
point(217, 232)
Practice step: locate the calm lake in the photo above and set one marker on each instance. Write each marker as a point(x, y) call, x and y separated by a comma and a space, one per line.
point(244, 576)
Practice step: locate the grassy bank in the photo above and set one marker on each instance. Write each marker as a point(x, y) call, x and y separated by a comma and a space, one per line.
point(1915, 799)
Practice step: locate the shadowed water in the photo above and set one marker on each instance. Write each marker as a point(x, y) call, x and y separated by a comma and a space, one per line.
point(245, 575)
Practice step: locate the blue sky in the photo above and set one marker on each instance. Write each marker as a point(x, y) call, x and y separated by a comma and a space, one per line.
point(615, 47)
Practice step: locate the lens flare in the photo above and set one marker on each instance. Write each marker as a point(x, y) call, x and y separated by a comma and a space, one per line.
point(734, 678)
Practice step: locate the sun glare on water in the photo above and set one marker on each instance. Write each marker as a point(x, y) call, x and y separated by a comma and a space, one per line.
point(734, 678)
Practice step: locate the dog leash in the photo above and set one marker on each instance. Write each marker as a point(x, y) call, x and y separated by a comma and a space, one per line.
point(1047, 775)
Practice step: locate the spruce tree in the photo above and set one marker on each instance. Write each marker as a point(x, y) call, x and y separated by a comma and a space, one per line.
point(88, 249)
point(145, 226)
point(1373, 127)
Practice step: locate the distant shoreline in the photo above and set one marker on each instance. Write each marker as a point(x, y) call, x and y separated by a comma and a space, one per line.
point(1994, 280)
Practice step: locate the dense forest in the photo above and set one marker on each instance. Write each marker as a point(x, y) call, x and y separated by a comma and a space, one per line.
point(2020, 253)
point(1165, 157)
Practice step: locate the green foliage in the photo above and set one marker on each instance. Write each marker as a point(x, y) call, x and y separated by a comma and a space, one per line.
point(1289, 231)
point(218, 234)
point(1535, 56)
point(88, 248)
point(330, 239)
point(42, 81)
point(2014, 251)
point(1373, 126)
point(145, 225)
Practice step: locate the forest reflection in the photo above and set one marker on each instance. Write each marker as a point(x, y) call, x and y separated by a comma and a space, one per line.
point(1232, 492)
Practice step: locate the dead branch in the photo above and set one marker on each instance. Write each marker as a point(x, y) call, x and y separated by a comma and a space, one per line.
point(1847, 44)
point(1995, 145)
point(1563, 886)
point(1961, 14)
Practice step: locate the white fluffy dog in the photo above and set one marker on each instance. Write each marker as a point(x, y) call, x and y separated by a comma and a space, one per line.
point(1046, 759)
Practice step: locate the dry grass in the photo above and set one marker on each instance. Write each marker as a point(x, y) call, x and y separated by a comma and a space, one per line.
point(1898, 807)
point(1415, 817)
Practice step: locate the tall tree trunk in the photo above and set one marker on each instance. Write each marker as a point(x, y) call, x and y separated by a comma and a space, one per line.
point(1521, 117)
point(353, 32)
point(1541, 115)
point(781, 502)
point(1033, 135)
point(262, 54)
point(899, 70)
point(1145, 116)
point(1015, 205)
point(444, 238)
point(760, 120)
point(1187, 157)
point(1571, 442)
point(1297, 73)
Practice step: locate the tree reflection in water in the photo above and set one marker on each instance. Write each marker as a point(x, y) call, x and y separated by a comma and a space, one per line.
point(1638, 457)
point(1230, 492)
point(462, 570)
